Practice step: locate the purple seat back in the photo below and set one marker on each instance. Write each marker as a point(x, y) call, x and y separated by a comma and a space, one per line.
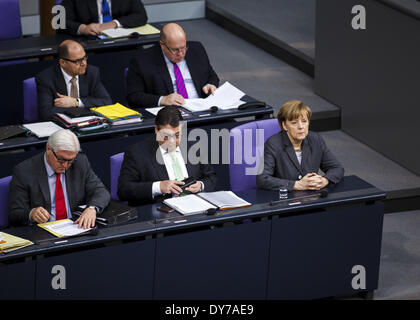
point(30, 101)
point(10, 20)
point(246, 149)
point(115, 164)
point(4, 201)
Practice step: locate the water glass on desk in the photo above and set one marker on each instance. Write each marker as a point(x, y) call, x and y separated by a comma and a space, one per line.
point(283, 193)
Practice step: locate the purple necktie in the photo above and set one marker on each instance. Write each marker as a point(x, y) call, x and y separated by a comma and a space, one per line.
point(180, 84)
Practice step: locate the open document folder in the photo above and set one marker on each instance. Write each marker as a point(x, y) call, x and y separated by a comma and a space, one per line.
point(63, 228)
point(201, 202)
point(225, 97)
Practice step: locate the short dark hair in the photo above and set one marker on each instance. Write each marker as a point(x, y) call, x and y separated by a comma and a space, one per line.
point(168, 115)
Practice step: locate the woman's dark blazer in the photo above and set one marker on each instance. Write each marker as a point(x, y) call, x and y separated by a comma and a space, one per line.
point(281, 166)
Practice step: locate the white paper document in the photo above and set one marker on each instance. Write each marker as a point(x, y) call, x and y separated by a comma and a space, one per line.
point(225, 97)
point(63, 228)
point(42, 129)
point(190, 204)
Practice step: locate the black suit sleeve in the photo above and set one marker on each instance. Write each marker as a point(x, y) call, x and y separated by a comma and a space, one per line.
point(208, 177)
point(46, 94)
point(212, 77)
point(333, 170)
point(268, 179)
point(72, 21)
point(133, 186)
point(132, 16)
point(96, 193)
point(19, 200)
point(138, 92)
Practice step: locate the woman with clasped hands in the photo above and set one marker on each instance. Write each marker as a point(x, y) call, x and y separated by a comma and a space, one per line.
point(293, 157)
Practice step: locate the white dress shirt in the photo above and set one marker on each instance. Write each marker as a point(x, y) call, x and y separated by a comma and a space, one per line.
point(67, 80)
point(189, 84)
point(169, 169)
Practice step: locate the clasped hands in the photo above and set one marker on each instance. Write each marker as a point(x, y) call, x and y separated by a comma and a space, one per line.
point(172, 186)
point(175, 99)
point(85, 221)
point(311, 181)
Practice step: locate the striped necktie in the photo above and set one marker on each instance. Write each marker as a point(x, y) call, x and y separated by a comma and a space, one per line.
point(180, 84)
point(106, 14)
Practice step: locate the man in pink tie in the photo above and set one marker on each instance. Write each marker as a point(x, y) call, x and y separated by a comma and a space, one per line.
point(52, 184)
point(166, 74)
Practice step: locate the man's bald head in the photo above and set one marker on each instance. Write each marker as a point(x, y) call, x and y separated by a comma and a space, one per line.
point(172, 32)
point(173, 42)
point(66, 47)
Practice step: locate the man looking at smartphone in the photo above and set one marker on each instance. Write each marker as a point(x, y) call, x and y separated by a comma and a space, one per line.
point(155, 168)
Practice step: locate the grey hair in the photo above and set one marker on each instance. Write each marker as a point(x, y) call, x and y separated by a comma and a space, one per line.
point(64, 140)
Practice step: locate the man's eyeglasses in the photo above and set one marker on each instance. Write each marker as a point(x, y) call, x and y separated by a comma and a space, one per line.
point(77, 61)
point(61, 160)
point(176, 50)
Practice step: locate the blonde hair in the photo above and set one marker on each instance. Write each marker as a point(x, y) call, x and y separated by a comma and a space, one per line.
point(291, 110)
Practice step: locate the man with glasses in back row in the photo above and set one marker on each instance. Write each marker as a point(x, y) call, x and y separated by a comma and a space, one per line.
point(167, 74)
point(50, 185)
point(71, 83)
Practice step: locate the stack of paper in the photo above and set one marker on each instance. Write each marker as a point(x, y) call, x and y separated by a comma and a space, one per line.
point(42, 129)
point(63, 228)
point(117, 114)
point(225, 97)
point(126, 32)
point(11, 243)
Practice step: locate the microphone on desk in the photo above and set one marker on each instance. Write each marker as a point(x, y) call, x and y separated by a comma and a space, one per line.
point(322, 194)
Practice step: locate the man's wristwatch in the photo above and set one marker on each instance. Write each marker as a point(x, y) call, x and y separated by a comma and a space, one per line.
point(93, 207)
point(77, 102)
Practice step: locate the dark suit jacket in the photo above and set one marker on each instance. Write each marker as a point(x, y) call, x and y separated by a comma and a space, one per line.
point(51, 80)
point(148, 76)
point(29, 188)
point(281, 166)
point(130, 13)
point(140, 169)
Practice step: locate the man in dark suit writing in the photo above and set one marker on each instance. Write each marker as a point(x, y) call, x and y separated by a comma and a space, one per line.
point(71, 83)
point(167, 74)
point(91, 17)
point(154, 168)
point(50, 185)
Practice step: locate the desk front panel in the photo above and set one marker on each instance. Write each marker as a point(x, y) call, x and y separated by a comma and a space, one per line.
point(312, 255)
point(17, 280)
point(120, 271)
point(226, 262)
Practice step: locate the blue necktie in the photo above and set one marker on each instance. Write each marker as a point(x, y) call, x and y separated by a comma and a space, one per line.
point(106, 15)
